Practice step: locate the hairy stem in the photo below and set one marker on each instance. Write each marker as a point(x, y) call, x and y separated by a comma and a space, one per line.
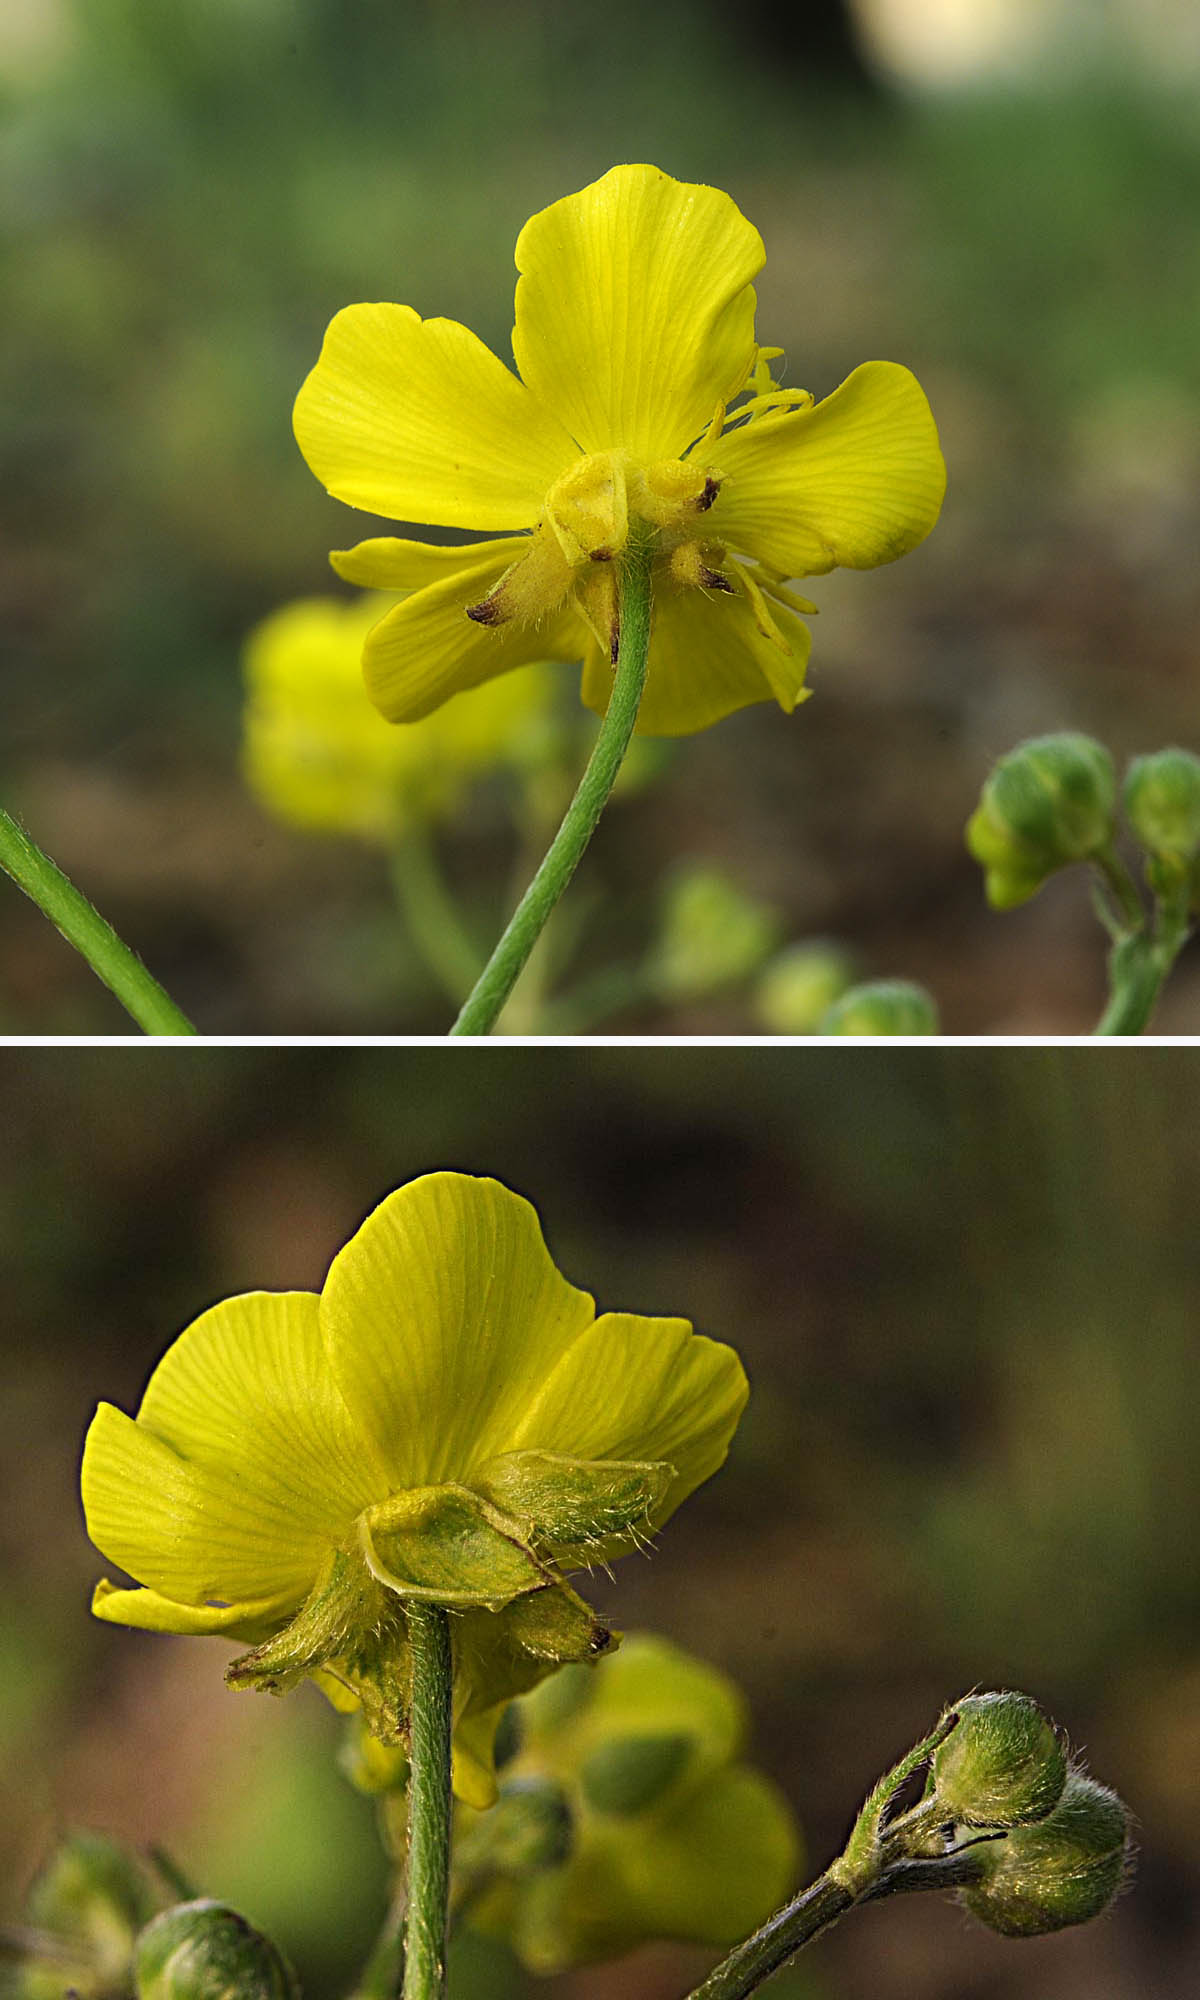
point(566, 849)
point(428, 1802)
point(783, 1934)
point(92, 936)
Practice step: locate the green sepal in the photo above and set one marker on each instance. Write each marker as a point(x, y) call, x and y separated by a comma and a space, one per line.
point(350, 1628)
point(577, 1507)
point(447, 1545)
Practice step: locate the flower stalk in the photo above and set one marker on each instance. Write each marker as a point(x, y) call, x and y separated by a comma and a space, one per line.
point(92, 936)
point(428, 1802)
point(495, 983)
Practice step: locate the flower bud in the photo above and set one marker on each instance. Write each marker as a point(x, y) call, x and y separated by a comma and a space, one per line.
point(89, 1902)
point(883, 1007)
point(205, 1951)
point(801, 985)
point(627, 1774)
point(1046, 804)
point(1003, 1763)
point(712, 936)
point(1064, 1870)
point(1162, 798)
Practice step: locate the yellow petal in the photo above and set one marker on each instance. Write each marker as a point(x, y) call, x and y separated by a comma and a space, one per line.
point(418, 420)
point(243, 1467)
point(707, 658)
point(707, 1873)
point(643, 1389)
point(857, 480)
point(427, 649)
point(635, 313)
point(442, 1318)
point(146, 1611)
point(386, 562)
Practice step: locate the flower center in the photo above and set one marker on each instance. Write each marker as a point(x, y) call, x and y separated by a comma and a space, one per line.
point(586, 522)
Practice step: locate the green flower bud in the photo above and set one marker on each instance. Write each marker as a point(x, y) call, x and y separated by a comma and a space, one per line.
point(626, 1774)
point(89, 1902)
point(801, 985)
point(1002, 1765)
point(884, 1007)
point(205, 1951)
point(1048, 803)
point(712, 936)
point(1162, 798)
point(1064, 1870)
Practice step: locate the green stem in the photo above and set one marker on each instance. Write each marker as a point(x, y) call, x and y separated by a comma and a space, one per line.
point(428, 1801)
point(432, 915)
point(761, 1955)
point(92, 936)
point(566, 849)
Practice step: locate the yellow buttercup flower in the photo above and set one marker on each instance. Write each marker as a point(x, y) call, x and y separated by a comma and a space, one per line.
point(634, 335)
point(448, 1421)
point(665, 1832)
point(319, 756)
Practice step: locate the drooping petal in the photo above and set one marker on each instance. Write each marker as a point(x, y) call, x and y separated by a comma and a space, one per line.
point(387, 562)
point(146, 1611)
point(442, 1318)
point(707, 658)
point(640, 1389)
point(635, 312)
point(854, 481)
point(243, 1467)
point(427, 649)
point(418, 420)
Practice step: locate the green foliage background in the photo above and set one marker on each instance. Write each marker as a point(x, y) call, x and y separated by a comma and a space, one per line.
point(965, 1283)
point(189, 191)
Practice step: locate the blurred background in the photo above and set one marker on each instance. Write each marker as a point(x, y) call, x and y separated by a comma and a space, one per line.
point(1002, 194)
point(965, 1284)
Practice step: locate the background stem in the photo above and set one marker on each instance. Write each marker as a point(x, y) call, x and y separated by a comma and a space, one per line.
point(566, 849)
point(92, 936)
point(428, 1802)
point(434, 922)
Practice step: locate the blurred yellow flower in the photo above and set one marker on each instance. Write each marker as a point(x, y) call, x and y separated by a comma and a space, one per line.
point(319, 756)
point(666, 1833)
point(447, 1421)
point(634, 334)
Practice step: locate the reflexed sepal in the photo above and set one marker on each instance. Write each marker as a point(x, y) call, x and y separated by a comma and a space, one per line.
point(1003, 1764)
point(447, 1545)
point(573, 1506)
point(349, 1629)
point(1064, 1870)
point(206, 1951)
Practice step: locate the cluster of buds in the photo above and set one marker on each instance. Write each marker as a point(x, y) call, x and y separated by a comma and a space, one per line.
point(1053, 801)
point(1035, 1844)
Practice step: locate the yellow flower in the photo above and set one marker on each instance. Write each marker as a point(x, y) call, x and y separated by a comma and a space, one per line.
point(634, 333)
point(448, 1421)
point(670, 1835)
point(319, 756)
